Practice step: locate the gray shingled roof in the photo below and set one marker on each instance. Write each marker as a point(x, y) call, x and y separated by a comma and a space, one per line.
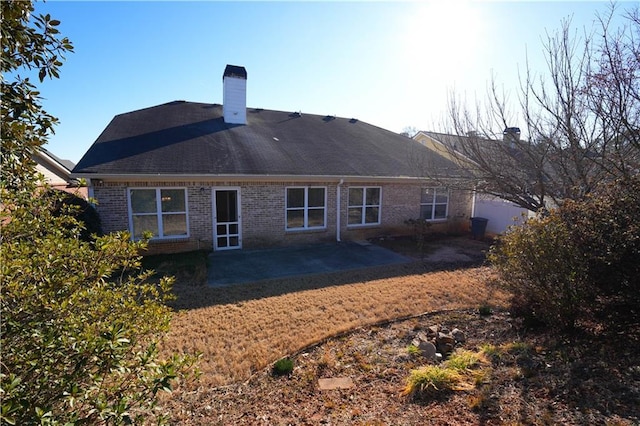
point(192, 138)
point(67, 164)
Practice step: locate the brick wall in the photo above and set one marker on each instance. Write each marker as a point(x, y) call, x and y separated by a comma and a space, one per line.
point(112, 206)
point(263, 213)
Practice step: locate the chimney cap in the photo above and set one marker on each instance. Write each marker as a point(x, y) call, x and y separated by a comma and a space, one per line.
point(235, 71)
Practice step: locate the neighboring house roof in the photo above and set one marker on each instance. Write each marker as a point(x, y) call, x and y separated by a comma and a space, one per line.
point(56, 170)
point(57, 173)
point(469, 151)
point(465, 147)
point(451, 146)
point(188, 138)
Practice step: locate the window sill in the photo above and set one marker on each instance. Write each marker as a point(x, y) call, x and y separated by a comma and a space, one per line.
point(305, 230)
point(168, 239)
point(366, 225)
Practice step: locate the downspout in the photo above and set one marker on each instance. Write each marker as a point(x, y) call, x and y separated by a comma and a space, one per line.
point(473, 202)
point(90, 193)
point(338, 189)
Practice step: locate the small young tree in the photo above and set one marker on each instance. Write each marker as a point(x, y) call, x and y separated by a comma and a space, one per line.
point(80, 322)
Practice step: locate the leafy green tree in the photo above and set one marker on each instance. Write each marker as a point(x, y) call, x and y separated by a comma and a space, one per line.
point(81, 322)
point(30, 44)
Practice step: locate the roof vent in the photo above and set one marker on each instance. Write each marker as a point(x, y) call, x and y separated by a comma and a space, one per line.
point(329, 118)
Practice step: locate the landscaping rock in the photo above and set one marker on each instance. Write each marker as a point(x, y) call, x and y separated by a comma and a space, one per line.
point(335, 383)
point(432, 331)
point(446, 339)
point(458, 335)
point(422, 336)
point(438, 341)
point(445, 343)
point(428, 350)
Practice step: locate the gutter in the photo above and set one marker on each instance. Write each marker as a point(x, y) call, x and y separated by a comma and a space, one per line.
point(155, 177)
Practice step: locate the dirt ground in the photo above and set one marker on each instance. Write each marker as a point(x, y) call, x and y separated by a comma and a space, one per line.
point(342, 326)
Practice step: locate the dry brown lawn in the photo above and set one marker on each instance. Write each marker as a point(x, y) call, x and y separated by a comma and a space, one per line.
point(242, 329)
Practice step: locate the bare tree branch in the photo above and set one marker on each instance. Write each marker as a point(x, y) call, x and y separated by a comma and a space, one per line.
point(581, 117)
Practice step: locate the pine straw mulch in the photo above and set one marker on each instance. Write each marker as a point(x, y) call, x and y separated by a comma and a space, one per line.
point(536, 376)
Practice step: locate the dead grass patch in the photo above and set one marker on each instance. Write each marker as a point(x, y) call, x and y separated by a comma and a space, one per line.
point(242, 329)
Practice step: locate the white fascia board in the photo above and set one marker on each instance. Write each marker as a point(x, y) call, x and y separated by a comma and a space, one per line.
point(55, 164)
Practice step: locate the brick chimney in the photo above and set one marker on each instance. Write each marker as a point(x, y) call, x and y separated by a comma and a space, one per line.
point(511, 134)
point(234, 97)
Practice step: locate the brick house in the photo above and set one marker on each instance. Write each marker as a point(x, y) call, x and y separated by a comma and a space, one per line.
point(57, 173)
point(209, 176)
point(500, 213)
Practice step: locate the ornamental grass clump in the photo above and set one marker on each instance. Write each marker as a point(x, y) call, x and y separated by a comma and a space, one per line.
point(460, 372)
point(464, 360)
point(431, 379)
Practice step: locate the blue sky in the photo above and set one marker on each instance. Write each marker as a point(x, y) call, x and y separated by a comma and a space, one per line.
point(390, 64)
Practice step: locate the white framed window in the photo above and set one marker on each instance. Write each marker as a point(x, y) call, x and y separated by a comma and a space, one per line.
point(161, 211)
point(364, 205)
point(306, 207)
point(434, 203)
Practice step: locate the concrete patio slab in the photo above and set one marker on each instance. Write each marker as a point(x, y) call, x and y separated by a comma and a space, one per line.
point(244, 266)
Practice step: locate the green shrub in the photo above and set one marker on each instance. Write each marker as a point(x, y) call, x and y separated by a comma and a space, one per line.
point(283, 367)
point(485, 310)
point(543, 270)
point(81, 323)
point(580, 258)
point(80, 209)
point(606, 228)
